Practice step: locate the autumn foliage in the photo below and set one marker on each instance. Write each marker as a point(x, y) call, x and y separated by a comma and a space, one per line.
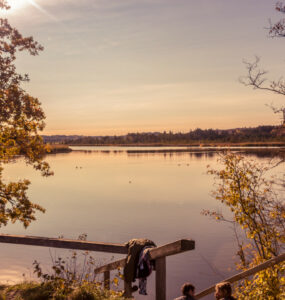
point(257, 208)
point(21, 120)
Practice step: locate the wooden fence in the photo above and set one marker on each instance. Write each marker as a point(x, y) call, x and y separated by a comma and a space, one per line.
point(158, 254)
point(245, 274)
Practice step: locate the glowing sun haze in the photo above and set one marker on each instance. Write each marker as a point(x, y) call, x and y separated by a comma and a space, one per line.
point(111, 67)
point(17, 4)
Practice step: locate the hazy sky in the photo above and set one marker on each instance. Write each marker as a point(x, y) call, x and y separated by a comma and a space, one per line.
point(117, 66)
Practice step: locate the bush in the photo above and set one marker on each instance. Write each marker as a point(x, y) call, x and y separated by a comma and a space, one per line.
point(258, 213)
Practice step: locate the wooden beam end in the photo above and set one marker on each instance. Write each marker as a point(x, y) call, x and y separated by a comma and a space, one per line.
point(187, 245)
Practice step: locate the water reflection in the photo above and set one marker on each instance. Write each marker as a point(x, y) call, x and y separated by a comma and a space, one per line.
point(117, 194)
point(197, 152)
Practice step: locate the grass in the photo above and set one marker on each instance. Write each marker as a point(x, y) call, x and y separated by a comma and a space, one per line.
point(46, 291)
point(70, 278)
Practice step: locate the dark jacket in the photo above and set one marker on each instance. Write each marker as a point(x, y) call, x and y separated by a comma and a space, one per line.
point(229, 298)
point(134, 248)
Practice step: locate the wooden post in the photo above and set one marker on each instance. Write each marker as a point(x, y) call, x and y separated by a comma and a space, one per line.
point(160, 280)
point(107, 280)
point(128, 290)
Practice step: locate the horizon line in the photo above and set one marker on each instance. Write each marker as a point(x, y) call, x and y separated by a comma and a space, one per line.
point(149, 132)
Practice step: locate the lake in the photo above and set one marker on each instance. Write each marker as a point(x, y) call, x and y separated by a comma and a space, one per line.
point(114, 194)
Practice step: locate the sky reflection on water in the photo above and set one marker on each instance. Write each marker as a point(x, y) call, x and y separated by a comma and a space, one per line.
point(119, 196)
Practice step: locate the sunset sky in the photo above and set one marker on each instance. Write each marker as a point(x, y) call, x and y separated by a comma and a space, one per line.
point(118, 66)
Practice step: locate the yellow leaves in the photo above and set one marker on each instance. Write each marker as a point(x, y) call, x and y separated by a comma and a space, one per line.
point(48, 148)
point(266, 284)
point(250, 235)
point(249, 195)
point(116, 281)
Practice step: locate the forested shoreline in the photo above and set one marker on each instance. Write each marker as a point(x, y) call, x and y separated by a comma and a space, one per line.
point(257, 136)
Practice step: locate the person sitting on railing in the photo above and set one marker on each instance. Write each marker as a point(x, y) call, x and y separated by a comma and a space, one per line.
point(188, 291)
point(224, 291)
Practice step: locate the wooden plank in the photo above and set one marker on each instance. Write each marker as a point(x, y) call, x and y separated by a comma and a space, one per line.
point(172, 248)
point(165, 250)
point(63, 243)
point(111, 266)
point(160, 280)
point(107, 280)
point(128, 290)
point(244, 274)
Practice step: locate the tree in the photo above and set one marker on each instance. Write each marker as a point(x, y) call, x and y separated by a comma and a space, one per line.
point(278, 29)
point(21, 120)
point(255, 200)
point(256, 79)
point(258, 219)
point(256, 76)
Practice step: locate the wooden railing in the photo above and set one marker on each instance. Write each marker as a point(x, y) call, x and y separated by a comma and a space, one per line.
point(158, 254)
point(245, 274)
point(63, 243)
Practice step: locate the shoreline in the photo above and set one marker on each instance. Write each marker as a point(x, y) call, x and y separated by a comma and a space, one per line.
point(260, 148)
point(201, 145)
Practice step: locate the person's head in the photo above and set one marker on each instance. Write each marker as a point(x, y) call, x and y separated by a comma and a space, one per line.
point(188, 289)
point(223, 290)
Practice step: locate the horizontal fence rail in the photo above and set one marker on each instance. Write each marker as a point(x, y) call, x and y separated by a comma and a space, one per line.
point(242, 275)
point(63, 243)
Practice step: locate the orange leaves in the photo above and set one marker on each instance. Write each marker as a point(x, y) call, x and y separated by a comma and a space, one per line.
point(21, 120)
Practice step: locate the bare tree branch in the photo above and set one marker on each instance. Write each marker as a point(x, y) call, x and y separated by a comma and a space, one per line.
point(256, 79)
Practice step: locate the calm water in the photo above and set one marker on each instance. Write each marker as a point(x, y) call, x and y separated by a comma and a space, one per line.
point(116, 196)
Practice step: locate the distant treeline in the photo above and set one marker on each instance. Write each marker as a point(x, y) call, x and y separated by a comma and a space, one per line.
point(260, 134)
